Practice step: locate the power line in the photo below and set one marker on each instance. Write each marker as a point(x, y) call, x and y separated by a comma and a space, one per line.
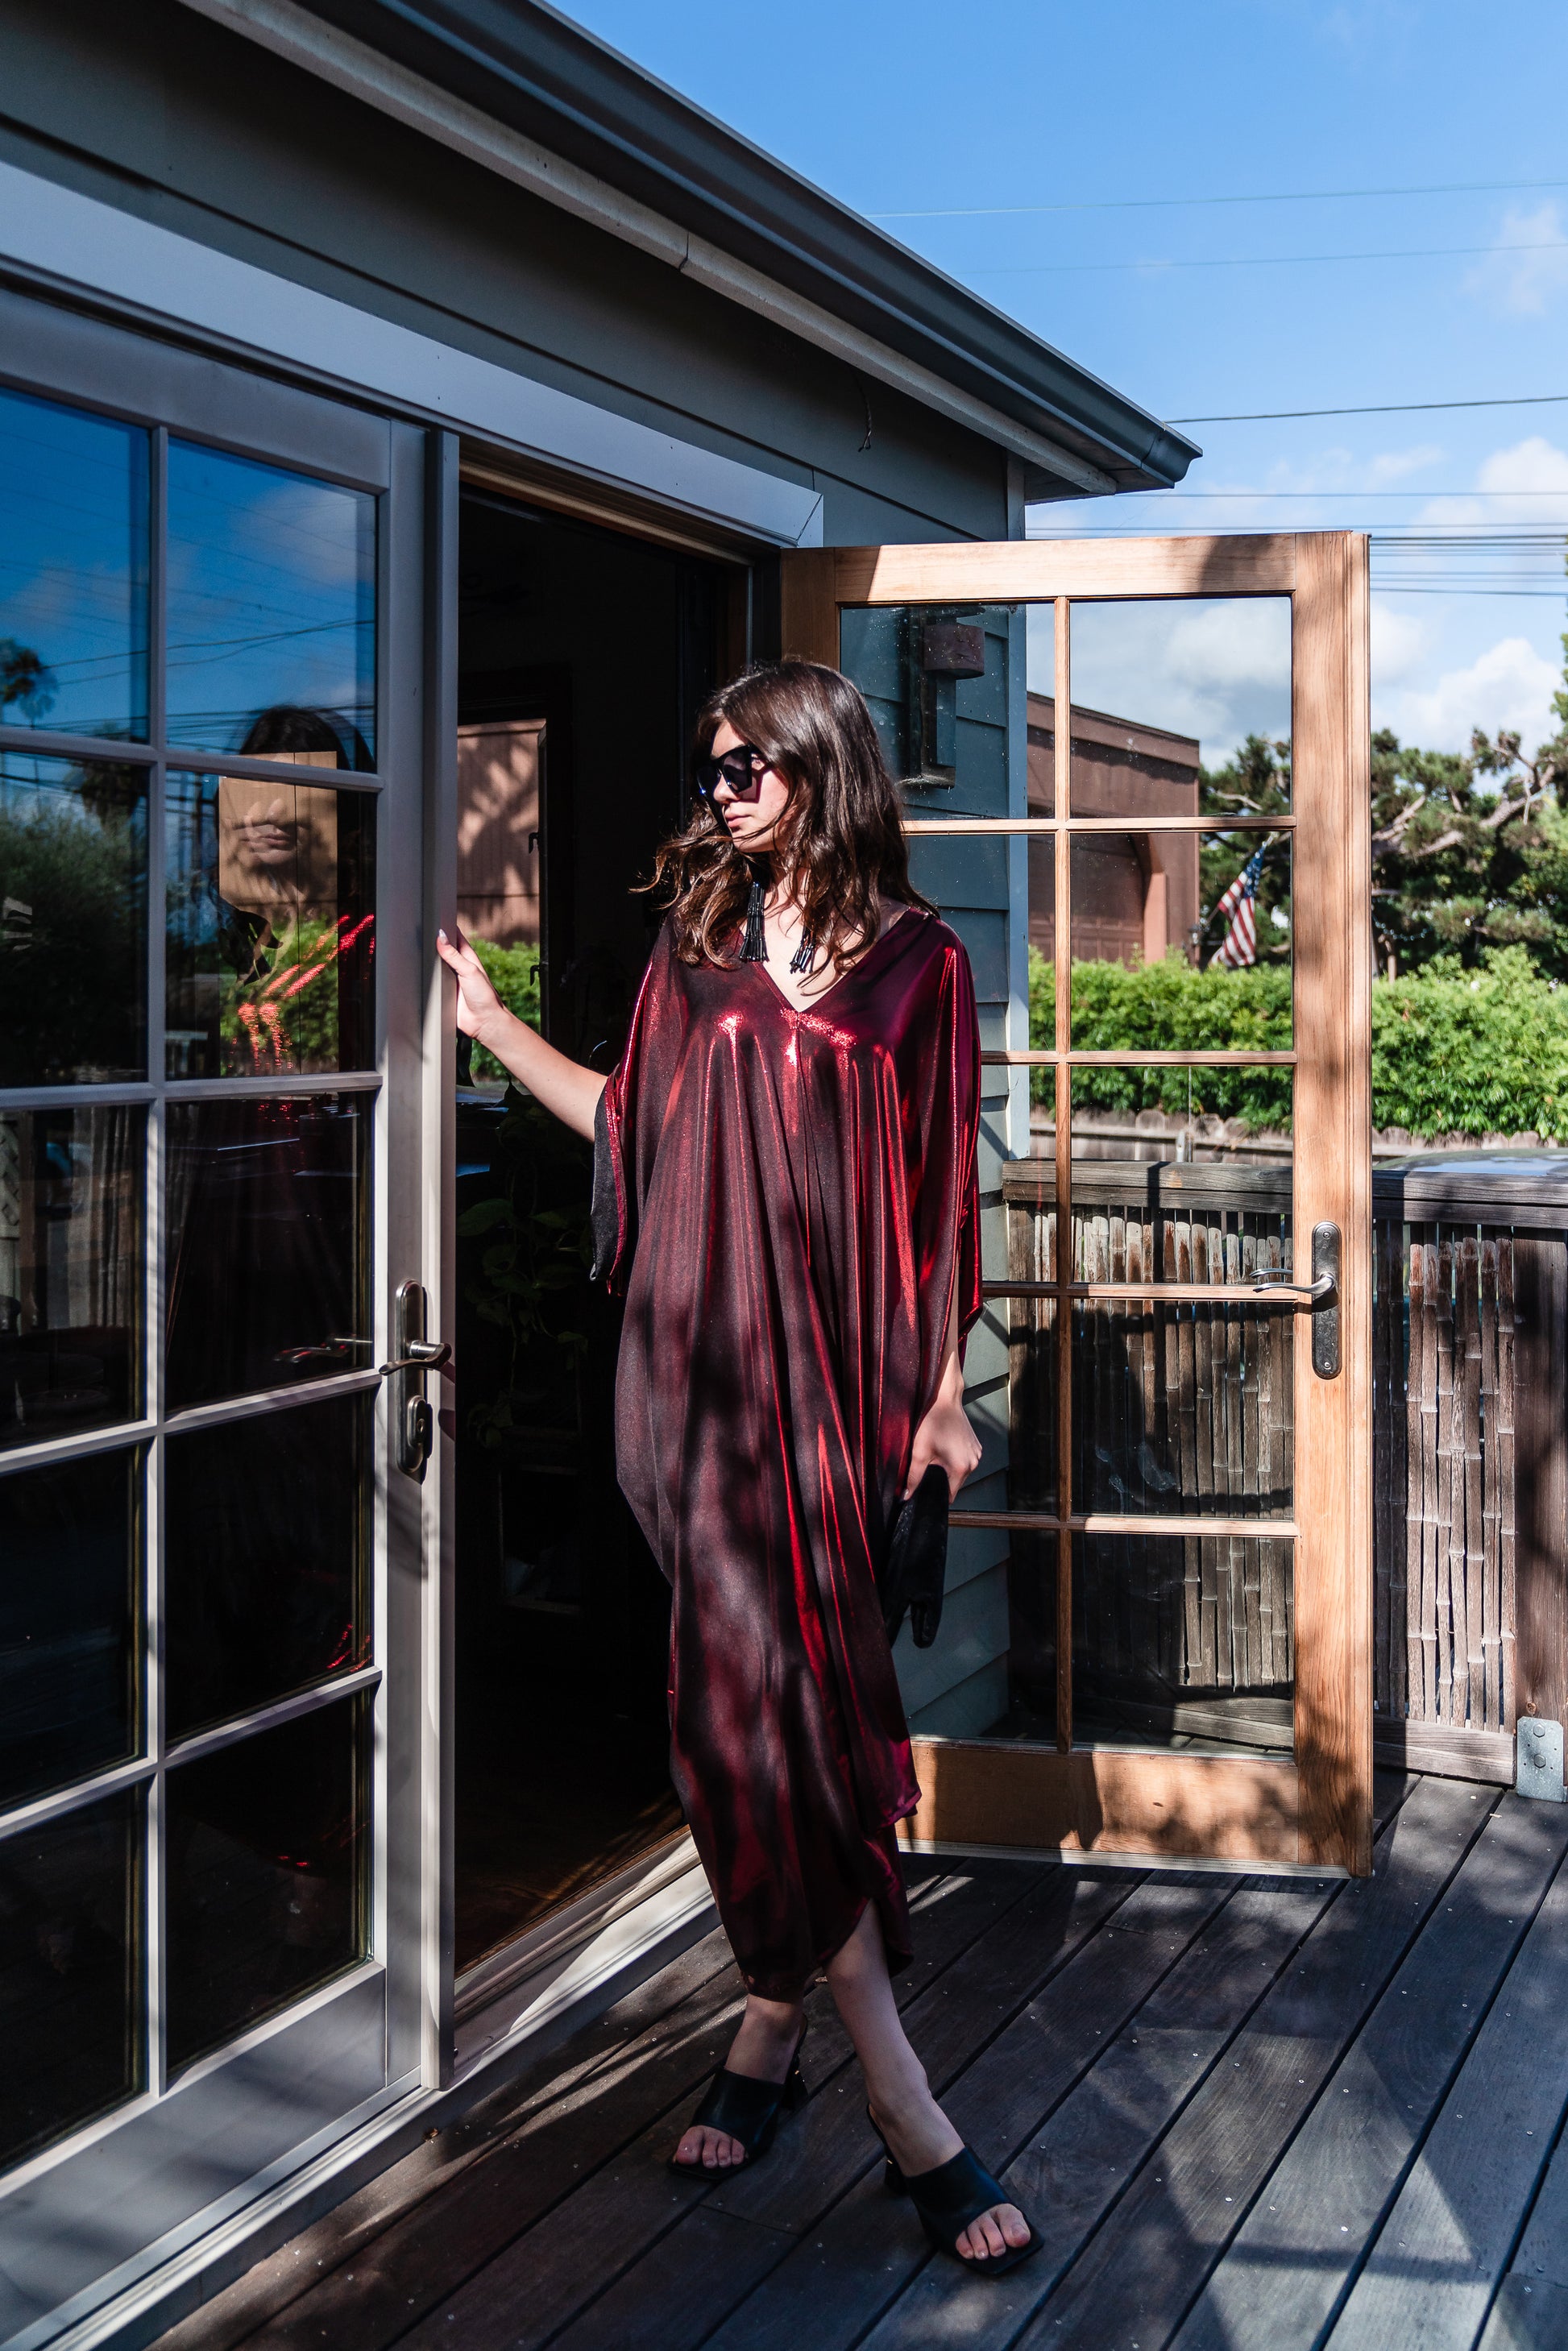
point(1267, 494)
point(1452, 561)
point(1383, 408)
point(1265, 260)
point(1159, 204)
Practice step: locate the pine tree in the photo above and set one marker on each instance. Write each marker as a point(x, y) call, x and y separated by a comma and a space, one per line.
point(1470, 850)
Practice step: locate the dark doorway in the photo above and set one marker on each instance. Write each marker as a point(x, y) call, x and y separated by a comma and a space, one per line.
point(582, 657)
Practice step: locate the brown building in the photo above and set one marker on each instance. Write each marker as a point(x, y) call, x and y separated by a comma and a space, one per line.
point(1135, 894)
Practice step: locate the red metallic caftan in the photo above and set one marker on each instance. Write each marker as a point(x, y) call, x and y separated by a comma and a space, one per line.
point(796, 1206)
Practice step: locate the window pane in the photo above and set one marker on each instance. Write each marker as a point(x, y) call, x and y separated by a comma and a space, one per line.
point(1039, 625)
point(71, 1187)
point(267, 1244)
point(73, 570)
point(263, 1600)
point(1032, 1639)
point(1181, 699)
point(937, 681)
point(1183, 1410)
point(69, 1559)
point(73, 921)
point(70, 1972)
point(267, 1845)
point(271, 611)
point(1181, 941)
point(1180, 1173)
point(1028, 1194)
point(271, 934)
point(1183, 1642)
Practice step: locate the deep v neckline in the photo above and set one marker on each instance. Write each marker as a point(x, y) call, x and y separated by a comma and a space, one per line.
point(812, 1002)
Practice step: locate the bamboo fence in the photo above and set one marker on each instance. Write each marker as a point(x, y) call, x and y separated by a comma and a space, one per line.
point(1187, 1408)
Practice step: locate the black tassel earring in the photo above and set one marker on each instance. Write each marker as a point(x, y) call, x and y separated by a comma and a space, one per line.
point(805, 954)
point(754, 946)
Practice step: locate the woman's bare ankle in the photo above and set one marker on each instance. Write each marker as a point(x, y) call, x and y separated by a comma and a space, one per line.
point(769, 2035)
point(914, 2126)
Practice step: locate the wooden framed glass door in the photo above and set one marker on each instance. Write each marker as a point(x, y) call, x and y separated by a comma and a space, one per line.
point(1157, 1633)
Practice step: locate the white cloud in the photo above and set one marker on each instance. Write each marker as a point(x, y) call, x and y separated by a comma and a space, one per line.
point(1528, 266)
point(1398, 463)
point(1525, 485)
point(1334, 470)
point(1399, 643)
point(1528, 468)
point(1214, 667)
point(1509, 684)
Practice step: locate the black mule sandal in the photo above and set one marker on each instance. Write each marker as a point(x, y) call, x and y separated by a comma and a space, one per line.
point(948, 2199)
point(746, 2109)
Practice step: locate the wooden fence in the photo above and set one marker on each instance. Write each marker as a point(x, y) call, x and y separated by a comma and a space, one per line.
point(1188, 1408)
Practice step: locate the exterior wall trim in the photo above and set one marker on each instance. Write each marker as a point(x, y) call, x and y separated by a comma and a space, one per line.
point(74, 243)
point(352, 66)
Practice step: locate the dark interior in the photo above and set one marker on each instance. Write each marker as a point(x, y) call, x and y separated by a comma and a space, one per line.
point(563, 1615)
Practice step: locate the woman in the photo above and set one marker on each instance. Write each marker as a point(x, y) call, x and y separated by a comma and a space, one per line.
point(790, 1145)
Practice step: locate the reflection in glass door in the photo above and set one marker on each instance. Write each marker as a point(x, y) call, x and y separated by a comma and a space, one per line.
point(189, 1660)
point(1136, 788)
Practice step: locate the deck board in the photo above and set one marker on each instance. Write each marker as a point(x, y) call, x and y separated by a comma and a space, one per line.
point(1285, 2273)
point(1530, 2313)
point(1432, 2273)
point(996, 2100)
point(1078, 2161)
point(1136, 2281)
point(1373, 2074)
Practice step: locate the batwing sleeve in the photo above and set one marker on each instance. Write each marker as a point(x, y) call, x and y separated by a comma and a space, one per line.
point(947, 1218)
point(629, 1116)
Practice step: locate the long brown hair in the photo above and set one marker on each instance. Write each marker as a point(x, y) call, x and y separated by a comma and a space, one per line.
point(839, 848)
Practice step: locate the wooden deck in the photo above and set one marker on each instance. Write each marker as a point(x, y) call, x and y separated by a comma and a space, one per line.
point(1245, 2112)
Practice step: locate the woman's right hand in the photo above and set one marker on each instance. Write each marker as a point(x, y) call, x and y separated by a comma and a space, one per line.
point(564, 1087)
point(477, 1002)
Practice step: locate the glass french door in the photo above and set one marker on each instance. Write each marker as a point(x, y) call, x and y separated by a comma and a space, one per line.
point(1137, 781)
point(214, 1100)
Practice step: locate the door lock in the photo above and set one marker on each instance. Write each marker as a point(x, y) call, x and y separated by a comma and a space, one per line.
point(1320, 1298)
point(413, 1356)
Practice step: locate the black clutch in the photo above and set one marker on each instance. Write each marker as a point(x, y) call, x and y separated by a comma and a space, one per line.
point(917, 1566)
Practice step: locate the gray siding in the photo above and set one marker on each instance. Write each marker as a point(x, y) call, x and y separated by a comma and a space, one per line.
point(170, 117)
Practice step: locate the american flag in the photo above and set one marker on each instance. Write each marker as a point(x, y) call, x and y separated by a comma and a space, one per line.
point(1238, 905)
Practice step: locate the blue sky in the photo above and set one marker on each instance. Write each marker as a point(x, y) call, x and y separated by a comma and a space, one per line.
point(928, 112)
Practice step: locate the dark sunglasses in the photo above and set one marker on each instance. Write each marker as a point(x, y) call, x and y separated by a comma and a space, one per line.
point(742, 767)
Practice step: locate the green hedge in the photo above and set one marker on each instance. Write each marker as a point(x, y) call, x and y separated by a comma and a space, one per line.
point(1452, 1051)
point(514, 974)
point(1476, 1052)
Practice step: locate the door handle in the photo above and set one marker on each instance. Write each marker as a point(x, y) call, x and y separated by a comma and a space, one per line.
point(414, 1422)
point(1295, 1294)
point(414, 1354)
point(423, 1355)
point(1320, 1298)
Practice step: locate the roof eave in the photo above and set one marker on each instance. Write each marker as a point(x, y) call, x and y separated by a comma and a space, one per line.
point(529, 67)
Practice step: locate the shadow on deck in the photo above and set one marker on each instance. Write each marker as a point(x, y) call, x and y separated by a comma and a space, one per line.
point(1245, 2112)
